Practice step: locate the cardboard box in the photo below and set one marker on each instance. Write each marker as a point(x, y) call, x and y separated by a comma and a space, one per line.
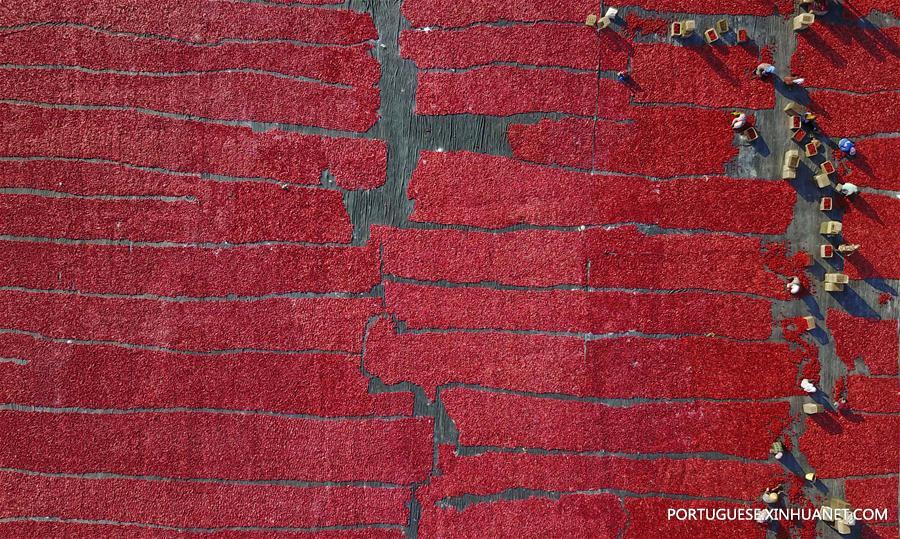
point(822, 180)
point(812, 408)
point(803, 21)
point(833, 287)
point(792, 158)
point(842, 527)
point(794, 109)
point(830, 228)
point(836, 503)
point(675, 29)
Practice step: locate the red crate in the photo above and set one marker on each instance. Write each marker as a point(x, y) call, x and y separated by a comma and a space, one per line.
point(828, 167)
point(799, 135)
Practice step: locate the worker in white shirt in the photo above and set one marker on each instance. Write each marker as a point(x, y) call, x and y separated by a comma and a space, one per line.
point(793, 286)
point(764, 69)
point(848, 189)
point(739, 121)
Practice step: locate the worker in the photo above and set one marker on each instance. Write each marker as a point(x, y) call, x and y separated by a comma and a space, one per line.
point(793, 286)
point(819, 8)
point(841, 406)
point(764, 69)
point(847, 189)
point(770, 496)
point(847, 248)
point(846, 145)
point(809, 121)
point(807, 386)
point(739, 121)
point(622, 76)
point(794, 80)
point(777, 450)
